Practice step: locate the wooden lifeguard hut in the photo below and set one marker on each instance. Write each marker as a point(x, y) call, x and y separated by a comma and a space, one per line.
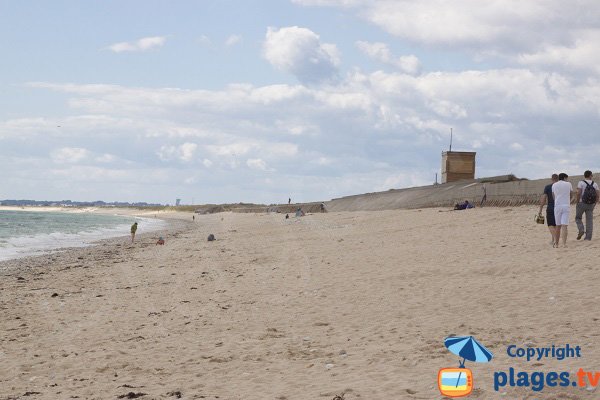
point(458, 166)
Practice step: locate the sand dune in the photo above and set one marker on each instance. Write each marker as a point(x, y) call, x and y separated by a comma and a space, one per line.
point(350, 303)
point(500, 193)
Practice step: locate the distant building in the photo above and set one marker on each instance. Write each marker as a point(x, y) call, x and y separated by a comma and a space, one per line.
point(458, 166)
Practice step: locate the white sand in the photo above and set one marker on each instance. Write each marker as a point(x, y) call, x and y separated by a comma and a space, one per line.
point(310, 308)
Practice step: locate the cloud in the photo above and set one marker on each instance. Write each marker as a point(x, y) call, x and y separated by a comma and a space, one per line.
point(381, 52)
point(204, 40)
point(71, 155)
point(582, 56)
point(187, 151)
point(328, 2)
point(300, 52)
point(370, 131)
point(516, 81)
point(233, 149)
point(531, 32)
point(233, 40)
point(106, 158)
point(256, 163)
point(184, 152)
point(516, 146)
point(143, 44)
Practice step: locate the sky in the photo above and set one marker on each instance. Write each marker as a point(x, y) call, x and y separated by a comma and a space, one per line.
point(223, 101)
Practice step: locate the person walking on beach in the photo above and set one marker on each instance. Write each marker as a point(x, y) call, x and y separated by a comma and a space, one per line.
point(548, 200)
point(289, 200)
point(561, 191)
point(133, 230)
point(587, 196)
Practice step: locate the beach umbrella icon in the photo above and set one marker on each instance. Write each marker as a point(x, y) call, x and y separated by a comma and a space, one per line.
point(469, 349)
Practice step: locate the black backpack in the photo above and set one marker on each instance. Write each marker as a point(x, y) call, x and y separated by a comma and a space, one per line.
point(589, 195)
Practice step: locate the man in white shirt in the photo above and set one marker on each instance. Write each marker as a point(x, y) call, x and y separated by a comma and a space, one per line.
point(561, 191)
point(586, 201)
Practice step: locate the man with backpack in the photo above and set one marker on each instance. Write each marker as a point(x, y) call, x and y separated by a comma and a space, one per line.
point(587, 195)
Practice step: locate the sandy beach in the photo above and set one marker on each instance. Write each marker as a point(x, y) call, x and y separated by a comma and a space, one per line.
point(348, 304)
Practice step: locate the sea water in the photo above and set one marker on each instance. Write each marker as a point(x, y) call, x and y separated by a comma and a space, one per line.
point(26, 233)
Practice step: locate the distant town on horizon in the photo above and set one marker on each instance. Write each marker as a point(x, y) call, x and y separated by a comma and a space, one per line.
point(69, 203)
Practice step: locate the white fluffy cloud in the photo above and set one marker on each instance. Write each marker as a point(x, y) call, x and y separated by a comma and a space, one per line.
point(143, 44)
point(381, 52)
point(257, 163)
point(106, 158)
point(184, 152)
point(71, 155)
point(580, 57)
point(204, 40)
point(300, 52)
point(540, 32)
point(233, 40)
point(371, 131)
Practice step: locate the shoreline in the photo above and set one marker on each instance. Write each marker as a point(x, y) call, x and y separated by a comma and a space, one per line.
point(174, 224)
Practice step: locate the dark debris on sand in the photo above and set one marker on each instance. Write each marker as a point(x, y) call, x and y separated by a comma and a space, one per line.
point(131, 395)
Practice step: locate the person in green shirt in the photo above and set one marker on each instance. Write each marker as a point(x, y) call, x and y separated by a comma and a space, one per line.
point(133, 230)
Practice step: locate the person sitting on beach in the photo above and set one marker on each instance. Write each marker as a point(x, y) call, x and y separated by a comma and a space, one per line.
point(133, 230)
point(160, 241)
point(463, 206)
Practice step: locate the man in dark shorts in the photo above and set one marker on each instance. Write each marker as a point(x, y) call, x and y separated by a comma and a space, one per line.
point(548, 199)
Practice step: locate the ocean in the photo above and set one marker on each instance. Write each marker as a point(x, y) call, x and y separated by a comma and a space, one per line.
point(26, 233)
